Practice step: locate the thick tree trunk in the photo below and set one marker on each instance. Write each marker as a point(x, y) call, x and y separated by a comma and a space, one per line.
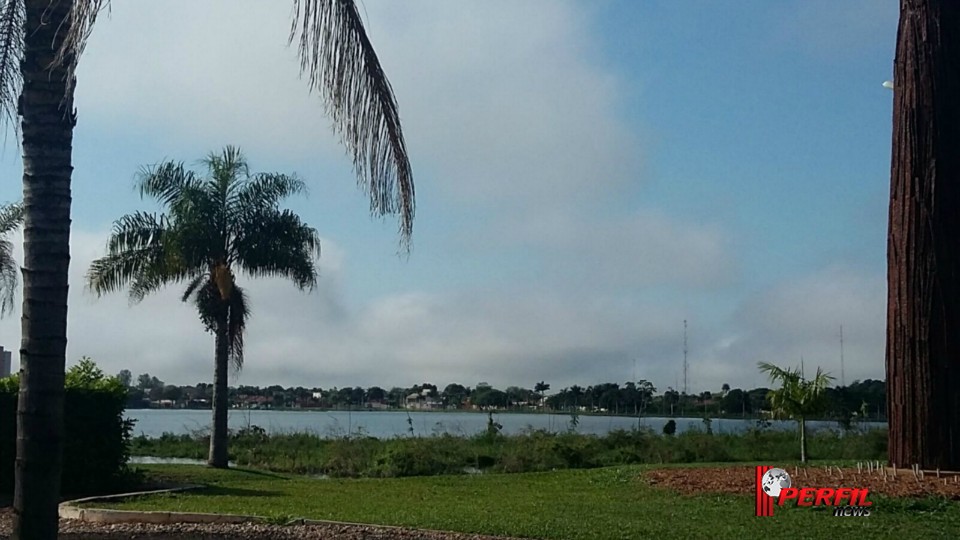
point(923, 260)
point(218, 438)
point(47, 122)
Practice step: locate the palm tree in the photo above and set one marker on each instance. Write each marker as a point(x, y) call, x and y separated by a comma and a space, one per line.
point(540, 388)
point(11, 216)
point(923, 271)
point(797, 398)
point(40, 44)
point(215, 227)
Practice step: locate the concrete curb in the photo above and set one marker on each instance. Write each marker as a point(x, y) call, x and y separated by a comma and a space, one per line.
point(72, 510)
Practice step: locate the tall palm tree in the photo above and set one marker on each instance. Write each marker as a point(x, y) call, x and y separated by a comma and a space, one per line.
point(923, 269)
point(797, 398)
point(11, 216)
point(214, 228)
point(40, 44)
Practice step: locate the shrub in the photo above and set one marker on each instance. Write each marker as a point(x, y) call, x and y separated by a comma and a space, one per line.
point(96, 436)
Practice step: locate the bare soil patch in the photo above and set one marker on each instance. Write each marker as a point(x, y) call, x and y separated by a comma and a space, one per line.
point(740, 480)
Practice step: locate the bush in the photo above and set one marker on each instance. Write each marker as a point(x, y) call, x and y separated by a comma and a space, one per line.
point(96, 436)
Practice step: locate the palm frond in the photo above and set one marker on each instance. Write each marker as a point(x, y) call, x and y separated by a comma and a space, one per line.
point(338, 59)
point(237, 316)
point(165, 182)
point(12, 20)
point(267, 190)
point(277, 243)
point(226, 169)
point(797, 397)
point(11, 217)
point(192, 287)
point(136, 255)
point(234, 311)
point(78, 27)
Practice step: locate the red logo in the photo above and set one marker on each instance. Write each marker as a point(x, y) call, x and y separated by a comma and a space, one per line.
point(775, 484)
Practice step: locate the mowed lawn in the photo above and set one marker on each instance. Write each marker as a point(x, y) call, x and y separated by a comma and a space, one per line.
point(611, 503)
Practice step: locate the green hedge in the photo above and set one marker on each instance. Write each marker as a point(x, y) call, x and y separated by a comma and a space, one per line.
point(96, 436)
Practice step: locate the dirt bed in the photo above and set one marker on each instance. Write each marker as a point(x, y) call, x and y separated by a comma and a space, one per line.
point(740, 480)
point(75, 530)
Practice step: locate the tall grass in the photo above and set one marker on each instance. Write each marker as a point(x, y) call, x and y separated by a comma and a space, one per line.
point(358, 455)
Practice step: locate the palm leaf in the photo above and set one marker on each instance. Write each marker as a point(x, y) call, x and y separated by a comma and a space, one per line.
point(277, 243)
point(12, 19)
point(11, 217)
point(338, 59)
point(79, 26)
point(165, 182)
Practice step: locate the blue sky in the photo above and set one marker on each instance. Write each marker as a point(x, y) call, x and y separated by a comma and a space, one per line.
point(588, 176)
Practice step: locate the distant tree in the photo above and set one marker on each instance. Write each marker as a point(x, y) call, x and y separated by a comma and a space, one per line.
point(670, 427)
point(376, 394)
point(173, 393)
point(645, 393)
point(454, 395)
point(540, 388)
point(489, 397)
point(125, 377)
point(724, 389)
point(395, 396)
point(797, 398)
point(735, 401)
point(671, 398)
point(575, 394)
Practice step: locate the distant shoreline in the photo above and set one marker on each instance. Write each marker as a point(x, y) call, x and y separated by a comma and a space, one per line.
point(697, 418)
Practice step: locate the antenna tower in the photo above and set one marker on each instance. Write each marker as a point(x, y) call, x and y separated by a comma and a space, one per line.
point(841, 356)
point(684, 357)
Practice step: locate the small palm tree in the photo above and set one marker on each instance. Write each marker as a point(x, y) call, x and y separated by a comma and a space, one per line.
point(797, 398)
point(11, 217)
point(215, 227)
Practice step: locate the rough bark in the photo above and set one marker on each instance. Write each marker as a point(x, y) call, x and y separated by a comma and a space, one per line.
point(218, 439)
point(47, 122)
point(923, 272)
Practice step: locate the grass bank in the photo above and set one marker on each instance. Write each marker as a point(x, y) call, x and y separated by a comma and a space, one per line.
point(532, 451)
point(599, 504)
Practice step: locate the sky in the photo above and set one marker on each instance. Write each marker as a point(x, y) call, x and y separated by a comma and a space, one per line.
point(589, 175)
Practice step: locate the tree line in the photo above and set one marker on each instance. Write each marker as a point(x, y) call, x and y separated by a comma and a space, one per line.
point(858, 400)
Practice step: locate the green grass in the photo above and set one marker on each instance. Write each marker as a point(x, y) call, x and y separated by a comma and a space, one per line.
point(597, 504)
point(532, 451)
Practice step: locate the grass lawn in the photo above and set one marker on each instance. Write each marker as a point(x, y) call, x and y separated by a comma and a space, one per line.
point(610, 503)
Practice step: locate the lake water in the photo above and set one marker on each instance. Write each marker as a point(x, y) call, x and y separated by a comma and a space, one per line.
point(386, 424)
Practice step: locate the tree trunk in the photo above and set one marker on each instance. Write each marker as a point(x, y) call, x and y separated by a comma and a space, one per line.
point(803, 440)
point(218, 438)
point(923, 262)
point(47, 121)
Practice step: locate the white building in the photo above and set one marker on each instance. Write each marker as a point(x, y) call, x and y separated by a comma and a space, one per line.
point(6, 362)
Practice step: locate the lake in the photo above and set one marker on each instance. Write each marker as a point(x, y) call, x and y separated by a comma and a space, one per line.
point(386, 424)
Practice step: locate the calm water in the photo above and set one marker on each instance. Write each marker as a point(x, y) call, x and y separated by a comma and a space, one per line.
point(385, 424)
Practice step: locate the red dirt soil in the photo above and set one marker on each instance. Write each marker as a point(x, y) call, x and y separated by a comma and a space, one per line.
point(741, 480)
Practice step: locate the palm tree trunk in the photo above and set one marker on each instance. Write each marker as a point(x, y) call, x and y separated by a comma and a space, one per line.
point(47, 122)
point(218, 439)
point(803, 440)
point(923, 263)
